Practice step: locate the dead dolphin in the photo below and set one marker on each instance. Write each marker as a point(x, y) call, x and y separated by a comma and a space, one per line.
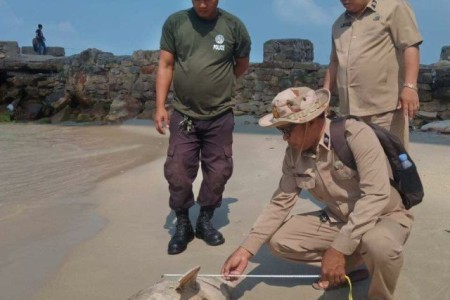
point(188, 287)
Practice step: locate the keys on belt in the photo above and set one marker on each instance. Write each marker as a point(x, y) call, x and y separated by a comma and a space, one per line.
point(186, 124)
point(324, 217)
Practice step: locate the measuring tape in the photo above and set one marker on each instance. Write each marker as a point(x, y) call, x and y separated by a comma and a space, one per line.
point(350, 294)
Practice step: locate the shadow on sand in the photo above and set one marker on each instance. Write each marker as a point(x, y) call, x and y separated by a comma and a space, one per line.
point(219, 220)
point(271, 265)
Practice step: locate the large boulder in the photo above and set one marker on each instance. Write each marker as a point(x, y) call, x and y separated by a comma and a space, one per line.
point(123, 107)
point(445, 53)
point(9, 49)
point(439, 126)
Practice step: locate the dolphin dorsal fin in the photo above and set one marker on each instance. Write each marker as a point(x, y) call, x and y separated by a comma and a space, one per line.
point(189, 279)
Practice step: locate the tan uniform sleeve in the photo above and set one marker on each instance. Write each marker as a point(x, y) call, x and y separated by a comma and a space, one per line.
point(374, 185)
point(275, 212)
point(403, 25)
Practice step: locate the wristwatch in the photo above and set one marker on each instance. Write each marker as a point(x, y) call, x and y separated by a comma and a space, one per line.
point(410, 85)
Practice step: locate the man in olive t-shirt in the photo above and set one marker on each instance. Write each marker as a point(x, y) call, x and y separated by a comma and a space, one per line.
point(203, 50)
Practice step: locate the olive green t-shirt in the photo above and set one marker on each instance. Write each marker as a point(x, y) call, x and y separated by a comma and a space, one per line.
point(204, 58)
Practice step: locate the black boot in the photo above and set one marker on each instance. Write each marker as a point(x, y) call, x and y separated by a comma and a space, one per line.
point(183, 234)
point(204, 229)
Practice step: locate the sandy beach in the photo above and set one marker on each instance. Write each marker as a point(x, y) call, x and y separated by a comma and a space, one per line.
point(84, 215)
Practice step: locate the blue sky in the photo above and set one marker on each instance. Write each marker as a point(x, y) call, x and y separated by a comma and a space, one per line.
point(123, 26)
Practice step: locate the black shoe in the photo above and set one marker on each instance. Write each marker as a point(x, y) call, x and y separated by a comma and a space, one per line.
point(205, 231)
point(183, 235)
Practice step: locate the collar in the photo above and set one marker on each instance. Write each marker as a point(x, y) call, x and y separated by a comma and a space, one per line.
point(372, 5)
point(324, 142)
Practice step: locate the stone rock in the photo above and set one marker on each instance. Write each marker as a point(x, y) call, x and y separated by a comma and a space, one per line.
point(427, 115)
point(61, 116)
point(91, 81)
point(442, 75)
point(143, 87)
point(425, 96)
point(288, 50)
point(123, 107)
point(56, 51)
point(142, 58)
point(32, 110)
point(9, 49)
point(187, 287)
point(79, 99)
point(148, 69)
point(444, 115)
point(61, 103)
point(435, 105)
point(54, 96)
point(439, 126)
point(51, 51)
point(442, 93)
point(445, 53)
point(28, 50)
point(149, 111)
point(84, 117)
point(243, 107)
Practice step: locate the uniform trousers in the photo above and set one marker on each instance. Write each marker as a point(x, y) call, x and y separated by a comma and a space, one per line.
point(305, 238)
point(394, 121)
point(207, 141)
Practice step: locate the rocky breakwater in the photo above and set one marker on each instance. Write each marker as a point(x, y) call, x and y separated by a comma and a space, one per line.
point(98, 86)
point(110, 88)
point(290, 63)
point(287, 63)
point(90, 86)
point(434, 94)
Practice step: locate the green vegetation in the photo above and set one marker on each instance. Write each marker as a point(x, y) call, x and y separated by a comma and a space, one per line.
point(5, 116)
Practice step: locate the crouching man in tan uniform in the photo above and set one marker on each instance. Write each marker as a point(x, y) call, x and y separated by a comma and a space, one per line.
point(364, 220)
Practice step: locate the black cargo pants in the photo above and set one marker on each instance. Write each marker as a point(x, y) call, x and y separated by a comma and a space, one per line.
point(208, 141)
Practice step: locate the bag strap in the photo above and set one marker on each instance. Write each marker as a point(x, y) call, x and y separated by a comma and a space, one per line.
point(390, 144)
point(339, 141)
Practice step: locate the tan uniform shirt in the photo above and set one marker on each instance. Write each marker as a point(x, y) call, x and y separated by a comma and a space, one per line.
point(359, 198)
point(369, 51)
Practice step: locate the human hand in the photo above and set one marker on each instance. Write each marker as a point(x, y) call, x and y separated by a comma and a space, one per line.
point(409, 99)
point(235, 264)
point(161, 120)
point(333, 269)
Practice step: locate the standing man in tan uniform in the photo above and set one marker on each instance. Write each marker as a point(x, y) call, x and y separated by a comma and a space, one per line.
point(375, 63)
point(364, 219)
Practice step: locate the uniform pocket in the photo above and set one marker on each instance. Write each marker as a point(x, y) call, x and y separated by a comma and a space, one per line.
point(228, 150)
point(171, 150)
point(305, 182)
point(343, 173)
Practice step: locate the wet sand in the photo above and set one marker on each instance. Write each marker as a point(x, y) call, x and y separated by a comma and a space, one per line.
point(48, 160)
point(101, 230)
point(46, 175)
